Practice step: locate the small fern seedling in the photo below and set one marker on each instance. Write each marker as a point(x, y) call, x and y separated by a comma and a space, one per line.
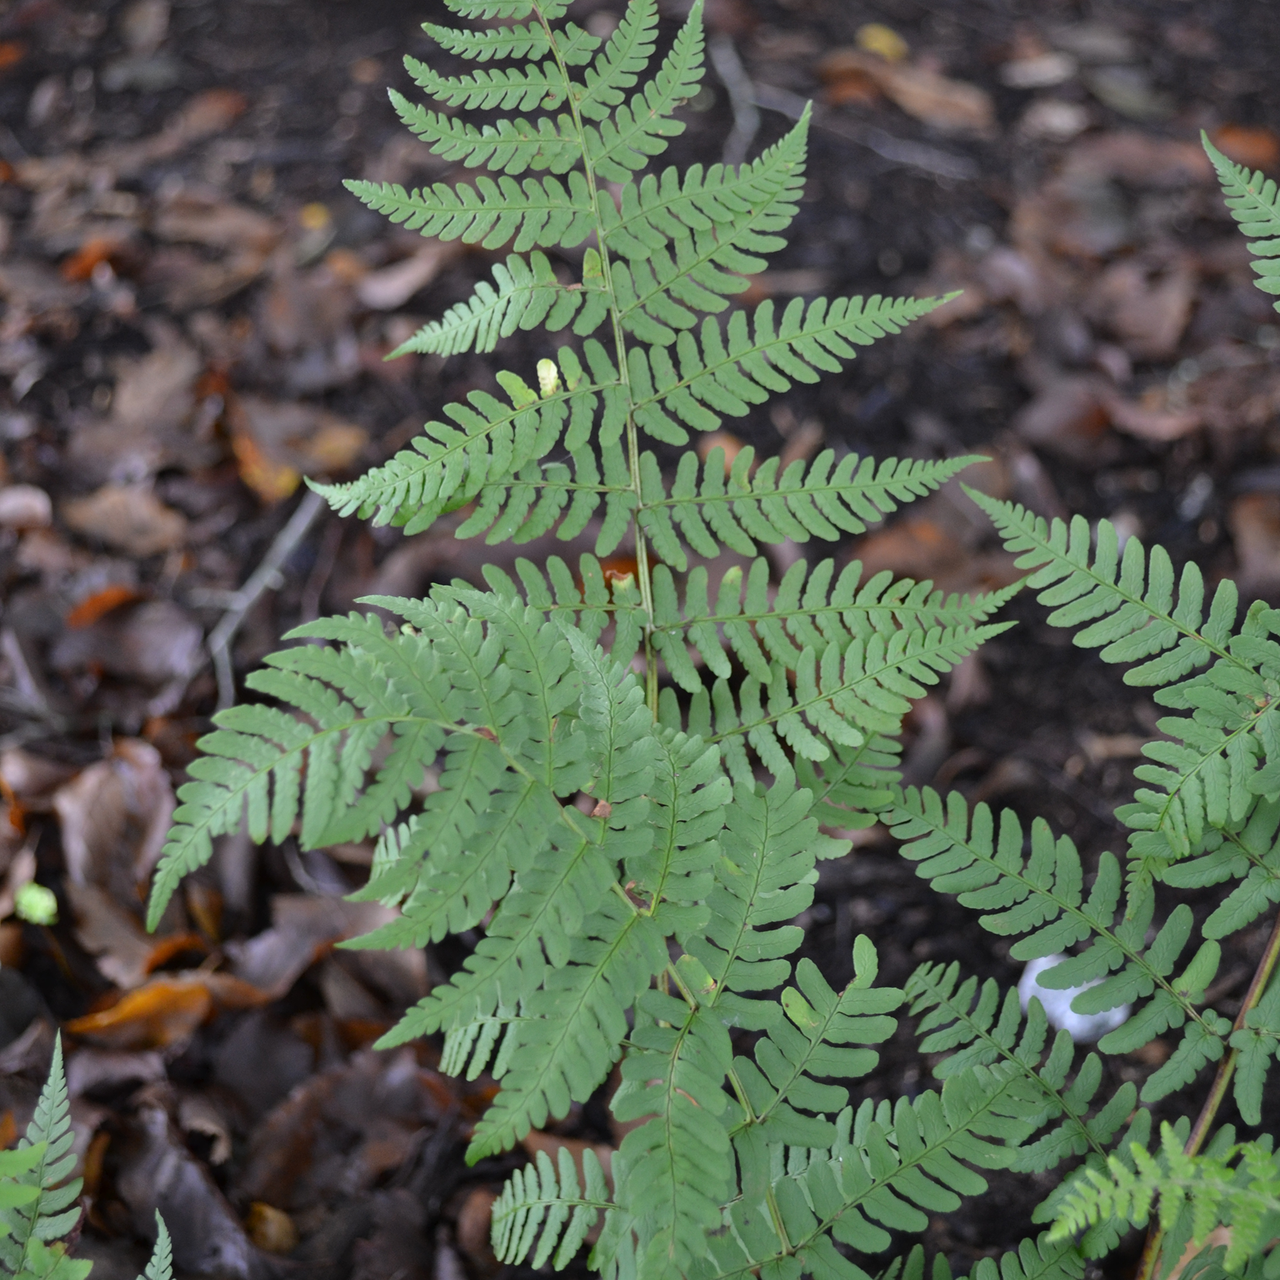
point(634, 770)
point(39, 1204)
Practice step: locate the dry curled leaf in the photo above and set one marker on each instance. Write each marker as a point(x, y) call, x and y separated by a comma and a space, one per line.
point(128, 517)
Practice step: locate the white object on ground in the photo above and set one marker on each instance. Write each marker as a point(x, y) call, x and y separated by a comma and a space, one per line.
point(1082, 1027)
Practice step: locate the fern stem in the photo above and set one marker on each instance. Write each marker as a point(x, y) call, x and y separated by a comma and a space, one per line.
point(1218, 1090)
point(624, 373)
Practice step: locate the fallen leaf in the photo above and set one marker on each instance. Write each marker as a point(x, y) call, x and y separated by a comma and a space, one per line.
point(160, 1174)
point(1129, 92)
point(393, 286)
point(883, 41)
point(114, 817)
point(1151, 418)
point(96, 606)
point(474, 1221)
point(397, 1245)
point(155, 642)
point(950, 106)
point(110, 933)
point(1254, 522)
point(288, 434)
point(1145, 305)
point(272, 481)
point(1067, 415)
point(165, 1011)
point(204, 216)
point(23, 506)
point(128, 517)
point(1253, 147)
point(271, 1229)
point(303, 929)
point(1140, 159)
point(1054, 120)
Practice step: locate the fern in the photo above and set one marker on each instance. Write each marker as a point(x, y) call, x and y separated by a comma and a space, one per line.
point(635, 763)
point(38, 1203)
point(1206, 1189)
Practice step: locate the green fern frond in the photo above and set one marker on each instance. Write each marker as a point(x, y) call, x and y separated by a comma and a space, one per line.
point(515, 41)
point(497, 88)
point(451, 463)
point(160, 1267)
point(888, 1167)
point(539, 212)
point(639, 128)
point(736, 508)
point(1246, 1196)
point(29, 1223)
point(990, 1030)
point(667, 277)
point(528, 295)
point(503, 10)
point(743, 208)
point(726, 371)
point(806, 610)
point(836, 696)
point(619, 65)
point(779, 1084)
point(1043, 898)
point(509, 146)
point(1252, 199)
point(546, 1214)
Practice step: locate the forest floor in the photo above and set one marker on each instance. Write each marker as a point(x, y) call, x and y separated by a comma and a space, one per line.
point(195, 317)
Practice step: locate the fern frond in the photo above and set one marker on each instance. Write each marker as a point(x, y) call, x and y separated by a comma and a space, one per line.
point(30, 1222)
point(539, 212)
point(761, 625)
point(621, 62)
point(726, 371)
point(836, 696)
point(733, 507)
point(744, 207)
point(508, 146)
point(1258, 1042)
point(1040, 1259)
point(574, 1025)
point(1252, 199)
point(991, 1030)
point(886, 1169)
point(528, 295)
point(779, 1084)
point(515, 41)
point(639, 128)
point(497, 88)
point(553, 1213)
point(488, 10)
point(1043, 899)
point(160, 1266)
point(667, 277)
point(1210, 777)
point(1246, 1196)
point(451, 463)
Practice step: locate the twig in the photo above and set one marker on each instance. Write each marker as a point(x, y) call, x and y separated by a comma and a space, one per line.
point(1218, 1090)
point(742, 97)
point(266, 577)
point(902, 151)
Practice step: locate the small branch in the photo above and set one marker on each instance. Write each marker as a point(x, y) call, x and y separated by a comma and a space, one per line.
point(742, 98)
point(1218, 1090)
point(266, 577)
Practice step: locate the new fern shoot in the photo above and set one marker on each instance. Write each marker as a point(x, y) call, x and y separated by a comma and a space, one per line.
point(39, 1205)
point(636, 774)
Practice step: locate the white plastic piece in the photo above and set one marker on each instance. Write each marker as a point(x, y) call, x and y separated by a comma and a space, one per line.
point(1082, 1027)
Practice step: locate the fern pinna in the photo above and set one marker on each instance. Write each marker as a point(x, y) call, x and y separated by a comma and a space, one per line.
point(634, 772)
